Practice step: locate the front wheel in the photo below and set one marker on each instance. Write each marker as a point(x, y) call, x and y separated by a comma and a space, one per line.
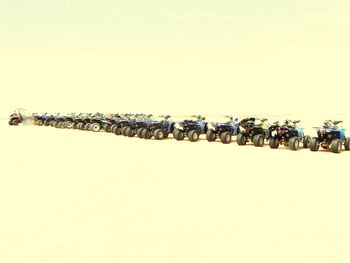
point(314, 145)
point(241, 139)
point(258, 140)
point(193, 135)
point(226, 137)
point(274, 143)
point(293, 143)
point(336, 145)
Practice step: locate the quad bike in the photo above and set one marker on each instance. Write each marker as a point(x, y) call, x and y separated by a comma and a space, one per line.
point(40, 119)
point(287, 134)
point(98, 122)
point(224, 131)
point(135, 124)
point(120, 124)
point(20, 116)
point(160, 129)
point(330, 135)
point(191, 128)
point(254, 130)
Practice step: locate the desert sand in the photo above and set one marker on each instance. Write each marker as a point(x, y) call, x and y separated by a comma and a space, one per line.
point(72, 196)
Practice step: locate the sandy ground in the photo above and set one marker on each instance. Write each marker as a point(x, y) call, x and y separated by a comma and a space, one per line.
point(74, 196)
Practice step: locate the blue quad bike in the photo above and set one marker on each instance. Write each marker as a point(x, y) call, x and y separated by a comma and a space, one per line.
point(160, 129)
point(224, 131)
point(135, 124)
point(120, 123)
point(330, 135)
point(254, 130)
point(191, 129)
point(287, 134)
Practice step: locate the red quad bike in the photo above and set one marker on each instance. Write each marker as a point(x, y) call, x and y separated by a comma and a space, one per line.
point(20, 116)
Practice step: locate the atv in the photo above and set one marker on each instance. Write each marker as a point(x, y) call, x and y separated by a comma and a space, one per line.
point(20, 116)
point(40, 119)
point(192, 128)
point(160, 129)
point(135, 124)
point(254, 130)
point(224, 131)
point(99, 122)
point(287, 134)
point(330, 135)
point(120, 123)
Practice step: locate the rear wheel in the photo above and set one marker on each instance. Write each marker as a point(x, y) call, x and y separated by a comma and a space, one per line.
point(211, 135)
point(193, 135)
point(241, 139)
point(274, 143)
point(159, 134)
point(293, 143)
point(336, 145)
point(314, 145)
point(225, 137)
point(258, 140)
point(306, 141)
point(40, 123)
point(14, 122)
point(138, 132)
point(124, 129)
point(347, 144)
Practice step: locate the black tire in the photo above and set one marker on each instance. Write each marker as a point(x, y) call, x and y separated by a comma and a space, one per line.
point(336, 145)
point(193, 135)
point(210, 135)
point(258, 140)
point(138, 132)
point(241, 139)
point(14, 122)
point(293, 143)
point(57, 124)
point(131, 133)
point(306, 141)
point(274, 143)
point(159, 134)
point(179, 135)
point(314, 145)
point(107, 128)
point(347, 144)
point(113, 127)
point(118, 131)
point(95, 127)
point(124, 130)
point(226, 137)
point(40, 123)
point(69, 125)
point(146, 134)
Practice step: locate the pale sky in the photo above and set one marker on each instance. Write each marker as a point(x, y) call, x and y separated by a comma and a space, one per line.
point(163, 56)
